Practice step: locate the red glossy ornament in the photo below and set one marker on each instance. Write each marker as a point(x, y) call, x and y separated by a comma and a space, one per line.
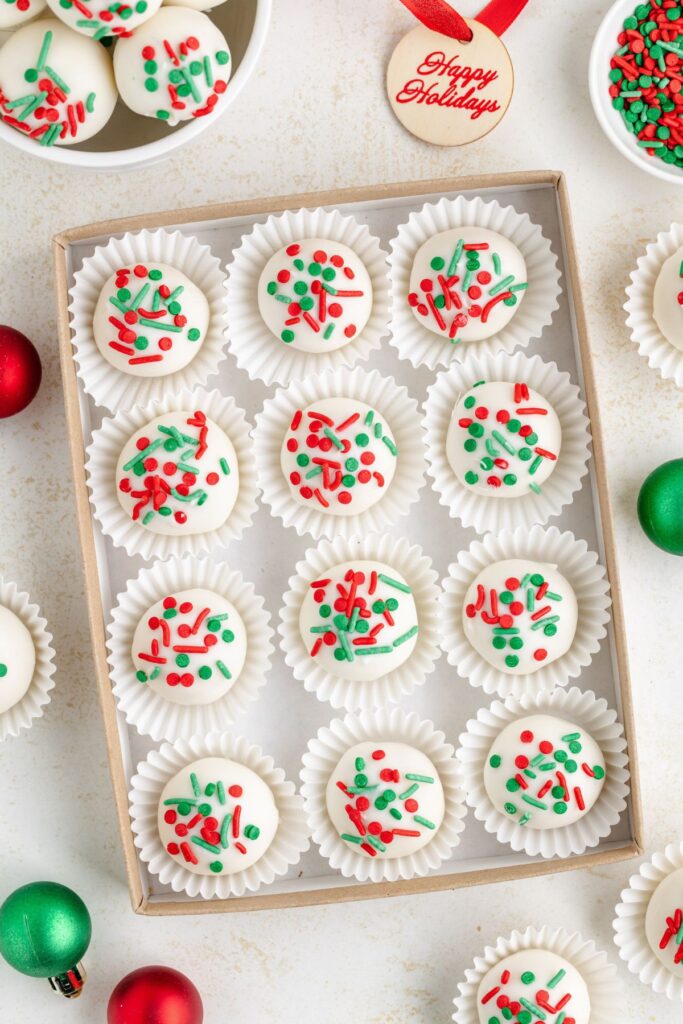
point(20, 371)
point(155, 995)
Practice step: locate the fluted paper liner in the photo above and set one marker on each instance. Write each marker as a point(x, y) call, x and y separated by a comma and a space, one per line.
point(422, 346)
point(489, 513)
point(255, 348)
point(397, 409)
point(290, 840)
point(321, 758)
point(114, 388)
point(142, 706)
point(599, 975)
point(661, 355)
point(32, 704)
point(103, 454)
point(629, 923)
point(581, 569)
point(581, 708)
point(416, 569)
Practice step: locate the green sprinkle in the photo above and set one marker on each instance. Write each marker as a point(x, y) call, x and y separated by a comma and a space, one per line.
point(391, 582)
point(424, 821)
point(419, 778)
point(455, 257)
point(405, 636)
point(223, 669)
point(409, 792)
point(194, 782)
point(333, 438)
point(390, 445)
point(557, 978)
point(45, 46)
point(373, 650)
point(206, 846)
point(534, 802)
point(352, 839)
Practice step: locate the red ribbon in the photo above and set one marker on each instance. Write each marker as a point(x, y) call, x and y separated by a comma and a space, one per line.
point(439, 16)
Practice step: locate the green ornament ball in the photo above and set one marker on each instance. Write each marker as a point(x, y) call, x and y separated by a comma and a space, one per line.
point(660, 506)
point(45, 929)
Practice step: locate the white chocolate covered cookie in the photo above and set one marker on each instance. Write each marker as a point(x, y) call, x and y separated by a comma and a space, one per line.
point(530, 986)
point(17, 659)
point(217, 817)
point(466, 283)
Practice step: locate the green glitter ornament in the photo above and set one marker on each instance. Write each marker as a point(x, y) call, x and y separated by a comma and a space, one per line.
point(660, 506)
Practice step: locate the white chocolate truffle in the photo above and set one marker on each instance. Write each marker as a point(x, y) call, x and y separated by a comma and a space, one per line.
point(17, 659)
point(56, 83)
point(150, 320)
point(315, 295)
point(178, 475)
point(668, 299)
point(520, 615)
point(101, 18)
point(544, 772)
point(503, 439)
point(217, 817)
point(339, 456)
point(385, 799)
point(190, 646)
point(467, 283)
point(16, 12)
point(360, 621)
point(536, 985)
point(174, 67)
point(664, 922)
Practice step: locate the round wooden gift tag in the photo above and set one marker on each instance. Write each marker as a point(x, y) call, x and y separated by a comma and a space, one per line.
point(449, 91)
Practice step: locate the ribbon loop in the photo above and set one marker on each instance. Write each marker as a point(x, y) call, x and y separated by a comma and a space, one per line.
point(439, 16)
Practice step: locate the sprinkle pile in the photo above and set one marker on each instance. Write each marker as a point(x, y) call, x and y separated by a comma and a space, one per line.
point(48, 114)
point(144, 305)
point(646, 78)
point(501, 438)
point(459, 289)
point(215, 821)
point(546, 777)
point(356, 616)
point(189, 81)
point(168, 475)
point(384, 803)
point(191, 644)
point(525, 605)
point(541, 1004)
point(319, 294)
point(333, 457)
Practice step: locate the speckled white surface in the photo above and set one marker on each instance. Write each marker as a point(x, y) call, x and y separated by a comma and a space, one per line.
point(311, 124)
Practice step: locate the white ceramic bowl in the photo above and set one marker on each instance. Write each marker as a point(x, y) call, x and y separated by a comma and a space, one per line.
point(244, 23)
point(604, 46)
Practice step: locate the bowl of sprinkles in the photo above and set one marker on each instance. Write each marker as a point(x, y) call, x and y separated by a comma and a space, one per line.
point(106, 87)
point(636, 84)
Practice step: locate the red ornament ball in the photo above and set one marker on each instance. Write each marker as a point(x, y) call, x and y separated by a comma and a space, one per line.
point(155, 995)
point(20, 371)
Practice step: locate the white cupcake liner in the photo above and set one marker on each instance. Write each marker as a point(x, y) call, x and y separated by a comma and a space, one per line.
point(486, 513)
point(660, 353)
point(147, 710)
point(321, 758)
point(600, 976)
point(103, 454)
point(421, 346)
point(114, 388)
point(581, 708)
point(32, 704)
point(256, 350)
point(396, 407)
point(416, 568)
point(291, 839)
point(629, 924)
point(581, 569)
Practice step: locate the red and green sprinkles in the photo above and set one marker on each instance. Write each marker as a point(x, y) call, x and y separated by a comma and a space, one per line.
point(190, 80)
point(148, 317)
point(505, 445)
point(354, 614)
point(185, 632)
point(215, 822)
point(546, 778)
point(103, 22)
point(461, 290)
point(56, 115)
point(166, 471)
point(376, 787)
point(674, 930)
point(543, 1003)
point(646, 78)
point(316, 293)
point(526, 602)
point(335, 458)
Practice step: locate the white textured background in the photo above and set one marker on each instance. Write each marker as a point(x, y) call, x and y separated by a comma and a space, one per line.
point(315, 117)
